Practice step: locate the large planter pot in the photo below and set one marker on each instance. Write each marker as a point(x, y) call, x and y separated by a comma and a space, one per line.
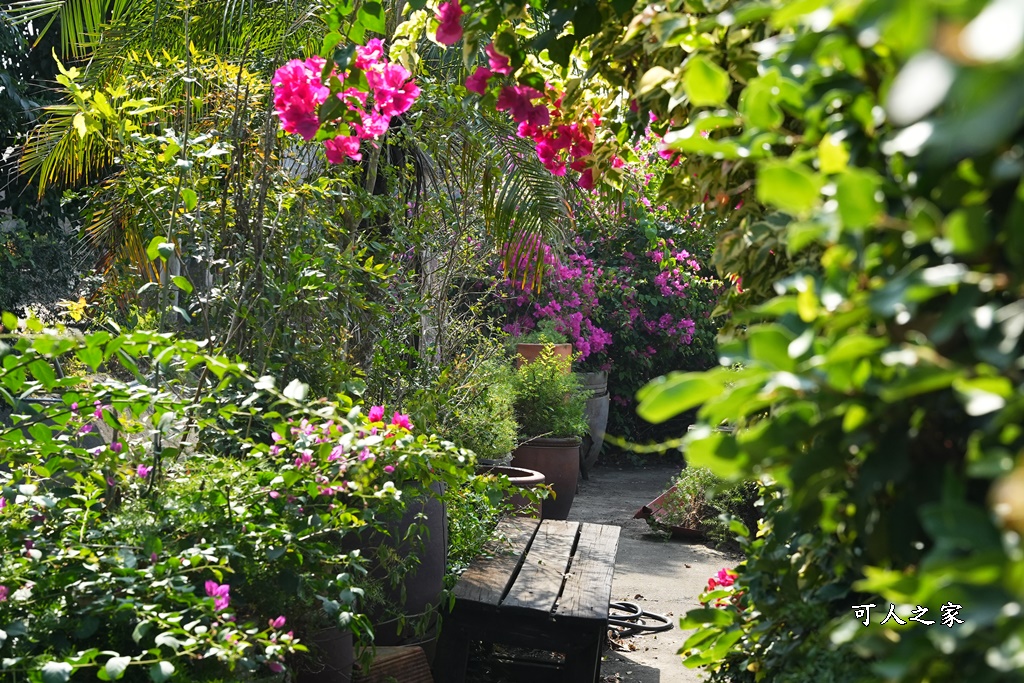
point(523, 478)
point(422, 586)
point(559, 460)
point(597, 418)
point(332, 658)
point(527, 353)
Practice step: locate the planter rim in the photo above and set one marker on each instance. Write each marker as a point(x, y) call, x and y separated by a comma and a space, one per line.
point(543, 344)
point(552, 442)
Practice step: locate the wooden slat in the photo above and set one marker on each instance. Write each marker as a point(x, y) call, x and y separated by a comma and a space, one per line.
point(488, 578)
point(540, 579)
point(588, 588)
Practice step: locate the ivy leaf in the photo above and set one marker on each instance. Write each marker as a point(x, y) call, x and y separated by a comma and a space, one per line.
point(706, 83)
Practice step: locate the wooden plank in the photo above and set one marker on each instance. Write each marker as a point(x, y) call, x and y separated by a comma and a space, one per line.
point(540, 580)
point(588, 588)
point(488, 579)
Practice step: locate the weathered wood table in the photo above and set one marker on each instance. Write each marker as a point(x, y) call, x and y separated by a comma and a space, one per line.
point(541, 585)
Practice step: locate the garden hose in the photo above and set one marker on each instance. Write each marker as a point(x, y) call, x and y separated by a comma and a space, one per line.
point(627, 619)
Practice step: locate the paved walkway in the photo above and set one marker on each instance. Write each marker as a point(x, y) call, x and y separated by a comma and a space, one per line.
point(662, 576)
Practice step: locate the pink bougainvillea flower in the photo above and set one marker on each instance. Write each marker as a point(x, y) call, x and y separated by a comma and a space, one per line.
point(3, 502)
point(74, 407)
point(393, 92)
point(389, 468)
point(116, 446)
point(4, 591)
point(374, 125)
point(449, 16)
point(517, 100)
point(142, 471)
point(499, 63)
point(221, 594)
point(276, 667)
point(297, 93)
point(368, 55)
point(586, 180)
point(376, 414)
point(85, 429)
point(341, 147)
point(277, 623)
point(400, 420)
point(478, 81)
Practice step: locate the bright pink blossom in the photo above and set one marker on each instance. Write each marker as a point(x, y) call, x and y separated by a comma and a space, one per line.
point(517, 100)
point(499, 63)
point(298, 91)
point(449, 16)
point(376, 414)
point(4, 591)
point(221, 594)
point(277, 623)
point(343, 146)
point(400, 420)
point(142, 471)
point(478, 81)
point(368, 55)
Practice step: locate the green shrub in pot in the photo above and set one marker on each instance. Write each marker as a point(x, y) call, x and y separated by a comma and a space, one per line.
point(549, 401)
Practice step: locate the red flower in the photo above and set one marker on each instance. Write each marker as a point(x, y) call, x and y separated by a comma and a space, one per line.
point(449, 16)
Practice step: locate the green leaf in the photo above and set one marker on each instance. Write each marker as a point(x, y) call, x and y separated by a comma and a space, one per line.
point(983, 395)
point(80, 126)
point(182, 283)
point(10, 321)
point(161, 671)
point(706, 83)
point(833, 156)
point(790, 186)
point(56, 672)
point(856, 193)
point(668, 396)
point(653, 78)
point(707, 616)
point(189, 198)
point(759, 102)
point(115, 668)
point(770, 345)
point(967, 230)
point(371, 16)
point(853, 347)
point(153, 250)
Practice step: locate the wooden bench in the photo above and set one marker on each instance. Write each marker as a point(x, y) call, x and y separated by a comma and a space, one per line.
point(541, 585)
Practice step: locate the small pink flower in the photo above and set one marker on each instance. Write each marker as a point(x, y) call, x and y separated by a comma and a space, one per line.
point(153, 558)
point(400, 420)
point(478, 81)
point(276, 667)
point(274, 494)
point(3, 502)
point(116, 446)
point(341, 147)
point(142, 471)
point(74, 407)
point(389, 468)
point(376, 414)
point(85, 429)
point(499, 63)
point(220, 594)
point(3, 593)
point(449, 16)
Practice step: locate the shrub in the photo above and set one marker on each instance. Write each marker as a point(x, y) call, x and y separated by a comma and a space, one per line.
point(705, 503)
point(549, 400)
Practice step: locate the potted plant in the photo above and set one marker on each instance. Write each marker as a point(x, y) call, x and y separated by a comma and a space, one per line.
point(546, 335)
point(549, 404)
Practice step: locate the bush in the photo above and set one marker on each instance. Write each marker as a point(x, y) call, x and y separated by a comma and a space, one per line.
point(549, 400)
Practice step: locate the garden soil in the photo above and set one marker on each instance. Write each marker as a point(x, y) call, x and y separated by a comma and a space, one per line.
point(662, 576)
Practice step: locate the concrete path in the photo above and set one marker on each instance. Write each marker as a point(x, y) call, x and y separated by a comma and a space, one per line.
point(662, 576)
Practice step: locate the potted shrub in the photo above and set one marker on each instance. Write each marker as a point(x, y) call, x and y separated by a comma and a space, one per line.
point(549, 403)
point(546, 336)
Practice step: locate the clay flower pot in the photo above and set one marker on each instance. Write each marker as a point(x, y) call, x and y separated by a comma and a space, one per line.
point(559, 460)
point(526, 353)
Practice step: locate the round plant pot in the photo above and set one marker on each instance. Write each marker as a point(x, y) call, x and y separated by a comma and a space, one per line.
point(596, 383)
point(422, 585)
point(527, 353)
point(559, 460)
point(523, 478)
point(597, 419)
point(332, 658)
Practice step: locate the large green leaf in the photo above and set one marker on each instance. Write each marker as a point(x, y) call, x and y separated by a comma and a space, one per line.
point(706, 83)
point(668, 396)
point(788, 185)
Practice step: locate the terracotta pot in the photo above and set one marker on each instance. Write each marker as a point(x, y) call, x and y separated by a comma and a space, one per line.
point(559, 460)
point(332, 658)
point(527, 353)
point(521, 477)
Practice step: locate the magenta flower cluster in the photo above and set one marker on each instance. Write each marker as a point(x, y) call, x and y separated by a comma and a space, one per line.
point(300, 91)
point(221, 594)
